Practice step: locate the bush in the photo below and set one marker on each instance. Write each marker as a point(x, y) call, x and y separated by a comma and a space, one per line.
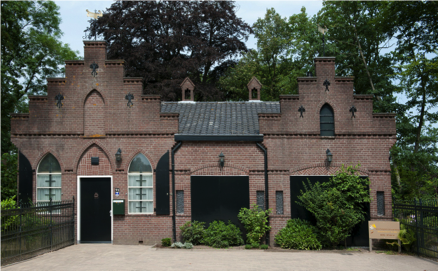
point(337, 205)
point(298, 234)
point(255, 221)
point(8, 221)
point(264, 247)
point(255, 245)
point(248, 246)
point(181, 245)
point(165, 242)
point(193, 232)
point(220, 235)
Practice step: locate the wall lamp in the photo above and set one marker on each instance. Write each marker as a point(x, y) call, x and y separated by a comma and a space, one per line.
point(119, 155)
point(329, 156)
point(221, 160)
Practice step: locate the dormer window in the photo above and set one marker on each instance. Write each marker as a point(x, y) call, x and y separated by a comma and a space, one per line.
point(254, 86)
point(327, 121)
point(187, 88)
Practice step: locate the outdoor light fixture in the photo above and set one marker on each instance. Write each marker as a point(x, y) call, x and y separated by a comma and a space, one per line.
point(329, 156)
point(221, 160)
point(119, 155)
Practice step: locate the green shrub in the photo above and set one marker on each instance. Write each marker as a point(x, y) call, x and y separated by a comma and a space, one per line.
point(264, 247)
point(255, 221)
point(193, 232)
point(220, 235)
point(337, 205)
point(248, 246)
point(165, 242)
point(8, 221)
point(255, 245)
point(298, 234)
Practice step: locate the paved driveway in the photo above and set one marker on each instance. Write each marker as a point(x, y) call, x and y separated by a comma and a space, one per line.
point(118, 257)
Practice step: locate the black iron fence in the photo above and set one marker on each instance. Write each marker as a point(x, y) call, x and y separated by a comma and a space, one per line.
point(35, 228)
point(421, 217)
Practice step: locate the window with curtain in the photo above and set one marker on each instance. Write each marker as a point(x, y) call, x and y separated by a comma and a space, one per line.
point(49, 179)
point(140, 186)
point(327, 121)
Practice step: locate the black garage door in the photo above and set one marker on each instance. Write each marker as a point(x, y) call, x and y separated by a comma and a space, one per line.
point(219, 198)
point(359, 236)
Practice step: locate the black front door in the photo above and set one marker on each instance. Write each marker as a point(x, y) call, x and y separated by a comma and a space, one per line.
point(95, 210)
point(219, 198)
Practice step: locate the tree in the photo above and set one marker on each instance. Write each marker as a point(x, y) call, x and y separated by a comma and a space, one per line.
point(415, 157)
point(285, 50)
point(337, 205)
point(360, 33)
point(166, 41)
point(31, 52)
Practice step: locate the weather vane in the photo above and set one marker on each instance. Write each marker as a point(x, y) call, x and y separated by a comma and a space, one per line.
point(95, 15)
point(322, 30)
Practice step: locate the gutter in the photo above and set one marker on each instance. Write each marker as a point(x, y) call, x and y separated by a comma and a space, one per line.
point(267, 239)
point(230, 137)
point(174, 150)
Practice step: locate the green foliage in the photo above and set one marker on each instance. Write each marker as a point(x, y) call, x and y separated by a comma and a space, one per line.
point(285, 51)
point(255, 221)
point(9, 175)
point(248, 246)
point(406, 236)
point(298, 234)
point(186, 245)
point(255, 245)
point(193, 232)
point(166, 242)
point(336, 205)
point(7, 204)
point(31, 51)
point(264, 247)
point(220, 235)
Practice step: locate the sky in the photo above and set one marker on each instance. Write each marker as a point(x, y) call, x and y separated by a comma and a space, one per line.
point(75, 20)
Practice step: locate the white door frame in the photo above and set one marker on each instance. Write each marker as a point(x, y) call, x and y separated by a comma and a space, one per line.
point(78, 225)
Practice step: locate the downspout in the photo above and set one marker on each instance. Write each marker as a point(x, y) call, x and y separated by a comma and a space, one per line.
point(174, 150)
point(266, 188)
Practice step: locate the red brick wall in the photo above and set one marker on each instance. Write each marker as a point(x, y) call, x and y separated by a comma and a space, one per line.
point(95, 120)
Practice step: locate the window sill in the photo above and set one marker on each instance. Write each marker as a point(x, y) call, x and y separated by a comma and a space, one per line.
point(328, 137)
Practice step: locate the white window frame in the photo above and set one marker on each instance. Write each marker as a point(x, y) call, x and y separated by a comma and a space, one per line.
point(47, 187)
point(136, 187)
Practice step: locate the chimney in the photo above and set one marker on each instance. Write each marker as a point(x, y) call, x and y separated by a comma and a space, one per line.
point(187, 88)
point(95, 52)
point(325, 67)
point(254, 86)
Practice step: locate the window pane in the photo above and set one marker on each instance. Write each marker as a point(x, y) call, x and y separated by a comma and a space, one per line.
point(144, 194)
point(43, 194)
point(140, 164)
point(180, 201)
point(49, 164)
point(380, 203)
point(141, 207)
point(43, 180)
point(134, 180)
point(279, 202)
point(261, 199)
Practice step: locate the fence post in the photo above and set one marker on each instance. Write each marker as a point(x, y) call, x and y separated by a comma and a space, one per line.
point(416, 226)
point(19, 232)
point(73, 220)
point(50, 224)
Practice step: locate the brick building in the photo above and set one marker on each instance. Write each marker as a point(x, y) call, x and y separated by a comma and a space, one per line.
point(96, 137)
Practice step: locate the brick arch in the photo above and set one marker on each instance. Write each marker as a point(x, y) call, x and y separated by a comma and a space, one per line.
point(131, 157)
point(321, 169)
point(94, 114)
point(41, 157)
point(84, 149)
point(214, 169)
point(84, 99)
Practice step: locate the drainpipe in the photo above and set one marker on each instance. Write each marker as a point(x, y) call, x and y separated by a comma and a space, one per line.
point(266, 187)
point(174, 150)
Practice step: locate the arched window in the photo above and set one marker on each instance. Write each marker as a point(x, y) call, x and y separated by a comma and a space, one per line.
point(327, 121)
point(140, 186)
point(49, 179)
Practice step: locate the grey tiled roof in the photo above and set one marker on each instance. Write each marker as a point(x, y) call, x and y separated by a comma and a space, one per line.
point(219, 118)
